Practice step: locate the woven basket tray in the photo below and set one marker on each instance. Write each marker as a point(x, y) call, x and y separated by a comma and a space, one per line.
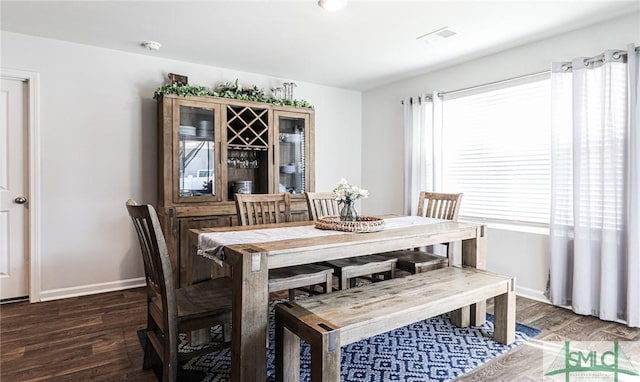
point(364, 224)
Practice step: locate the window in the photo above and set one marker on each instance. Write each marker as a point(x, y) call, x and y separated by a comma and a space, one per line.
point(496, 150)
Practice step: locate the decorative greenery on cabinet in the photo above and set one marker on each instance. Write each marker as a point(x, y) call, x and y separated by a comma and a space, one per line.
point(229, 90)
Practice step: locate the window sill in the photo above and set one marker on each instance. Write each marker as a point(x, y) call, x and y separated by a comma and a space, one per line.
point(510, 226)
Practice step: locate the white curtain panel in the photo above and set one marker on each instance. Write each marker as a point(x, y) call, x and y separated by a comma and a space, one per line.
point(594, 234)
point(418, 156)
point(633, 188)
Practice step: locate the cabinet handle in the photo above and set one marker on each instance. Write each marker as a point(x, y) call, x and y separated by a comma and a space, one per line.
point(220, 154)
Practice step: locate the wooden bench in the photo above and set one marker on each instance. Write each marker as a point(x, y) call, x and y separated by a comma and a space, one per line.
point(330, 321)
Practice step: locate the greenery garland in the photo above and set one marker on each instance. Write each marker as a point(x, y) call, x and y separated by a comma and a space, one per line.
point(229, 90)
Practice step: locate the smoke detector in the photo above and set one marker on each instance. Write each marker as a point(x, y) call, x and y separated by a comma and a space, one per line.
point(151, 45)
point(437, 35)
point(332, 5)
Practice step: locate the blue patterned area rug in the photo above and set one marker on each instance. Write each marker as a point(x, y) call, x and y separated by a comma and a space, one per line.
point(430, 350)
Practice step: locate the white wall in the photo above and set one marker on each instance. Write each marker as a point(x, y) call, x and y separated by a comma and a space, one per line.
point(98, 145)
point(98, 148)
point(524, 255)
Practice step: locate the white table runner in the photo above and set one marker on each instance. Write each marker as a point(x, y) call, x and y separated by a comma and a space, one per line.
point(211, 245)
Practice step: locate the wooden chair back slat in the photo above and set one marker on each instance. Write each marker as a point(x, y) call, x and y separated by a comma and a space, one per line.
point(321, 204)
point(155, 256)
point(255, 209)
point(439, 205)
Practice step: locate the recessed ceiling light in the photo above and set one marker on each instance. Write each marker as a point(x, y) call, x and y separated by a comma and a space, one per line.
point(437, 35)
point(332, 5)
point(151, 45)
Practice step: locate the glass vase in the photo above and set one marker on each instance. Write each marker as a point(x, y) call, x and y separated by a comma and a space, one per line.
point(348, 211)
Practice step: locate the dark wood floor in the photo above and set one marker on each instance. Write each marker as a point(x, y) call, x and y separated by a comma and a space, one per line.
point(94, 338)
point(525, 363)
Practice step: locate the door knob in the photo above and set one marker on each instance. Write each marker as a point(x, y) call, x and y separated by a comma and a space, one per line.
point(20, 200)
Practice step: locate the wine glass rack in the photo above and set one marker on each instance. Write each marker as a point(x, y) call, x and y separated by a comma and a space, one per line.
point(247, 128)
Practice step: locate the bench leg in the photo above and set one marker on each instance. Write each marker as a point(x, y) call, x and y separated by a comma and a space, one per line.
point(325, 358)
point(287, 354)
point(461, 317)
point(505, 316)
point(478, 313)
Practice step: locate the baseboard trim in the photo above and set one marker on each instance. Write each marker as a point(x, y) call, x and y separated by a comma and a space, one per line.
point(533, 294)
point(56, 294)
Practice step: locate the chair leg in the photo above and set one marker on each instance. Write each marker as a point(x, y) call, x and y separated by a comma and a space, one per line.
point(148, 351)
point(148, 347)
point(168, 369)
point(343, 281)
point(450, 253)
point(226, 332)
point(328, 285)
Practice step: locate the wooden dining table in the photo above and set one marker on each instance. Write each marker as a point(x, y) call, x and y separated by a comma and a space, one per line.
point(249, 265)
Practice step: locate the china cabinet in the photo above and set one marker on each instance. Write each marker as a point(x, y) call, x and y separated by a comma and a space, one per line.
point(210, 148)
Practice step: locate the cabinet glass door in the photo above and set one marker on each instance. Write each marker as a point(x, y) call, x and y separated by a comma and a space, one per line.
point(196, 152)
point(293, 152)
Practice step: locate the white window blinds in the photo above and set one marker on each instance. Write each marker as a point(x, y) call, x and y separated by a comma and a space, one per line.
point(496, 150)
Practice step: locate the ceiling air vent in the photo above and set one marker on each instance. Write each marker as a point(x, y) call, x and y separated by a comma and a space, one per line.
point(437, 35)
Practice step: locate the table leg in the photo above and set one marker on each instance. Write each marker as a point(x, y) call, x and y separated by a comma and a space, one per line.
point(201, 336)
point(250, 316)
point(474, 254)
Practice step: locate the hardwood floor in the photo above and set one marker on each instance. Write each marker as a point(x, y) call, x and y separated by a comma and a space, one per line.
point(94, 338)
point(75, 339)
point(525, 363)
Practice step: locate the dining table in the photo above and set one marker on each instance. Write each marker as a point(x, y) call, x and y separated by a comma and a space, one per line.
point(249, 252)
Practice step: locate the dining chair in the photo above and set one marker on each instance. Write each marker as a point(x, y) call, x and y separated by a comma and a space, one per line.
point(432, 205)
point(263, 208)
point(171, 311)
point(322, 204)
point(255, 209)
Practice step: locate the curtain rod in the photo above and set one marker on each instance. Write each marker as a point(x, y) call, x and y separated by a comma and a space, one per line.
point(600, 57)
point(440, 94)
point(616, 55)
point(593, 59)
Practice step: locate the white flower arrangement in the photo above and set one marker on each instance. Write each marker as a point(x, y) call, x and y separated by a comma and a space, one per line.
point(345, 192)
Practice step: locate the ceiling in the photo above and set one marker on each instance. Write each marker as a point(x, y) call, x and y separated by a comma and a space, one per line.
point(363, 46)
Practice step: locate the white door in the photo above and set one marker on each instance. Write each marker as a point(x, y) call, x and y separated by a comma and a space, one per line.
point(13, 190)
